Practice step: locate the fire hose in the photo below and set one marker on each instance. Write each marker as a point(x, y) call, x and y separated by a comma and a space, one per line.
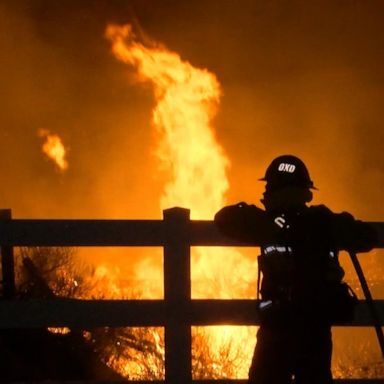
point(369, 300)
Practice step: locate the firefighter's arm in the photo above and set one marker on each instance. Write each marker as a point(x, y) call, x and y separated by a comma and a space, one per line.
point(353, 235)
point(245, 223)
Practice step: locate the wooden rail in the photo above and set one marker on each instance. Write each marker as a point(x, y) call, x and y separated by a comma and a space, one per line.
point(176, 313)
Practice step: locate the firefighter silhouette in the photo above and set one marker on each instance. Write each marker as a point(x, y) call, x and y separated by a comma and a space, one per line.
point(300, 285)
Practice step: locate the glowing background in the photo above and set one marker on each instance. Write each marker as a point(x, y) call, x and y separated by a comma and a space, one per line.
point(297, 77)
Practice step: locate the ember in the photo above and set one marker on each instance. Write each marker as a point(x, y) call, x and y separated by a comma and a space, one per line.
point(54, 149)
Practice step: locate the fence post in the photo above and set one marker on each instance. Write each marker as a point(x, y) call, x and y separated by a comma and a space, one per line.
point(177, 296)
point(7, 262)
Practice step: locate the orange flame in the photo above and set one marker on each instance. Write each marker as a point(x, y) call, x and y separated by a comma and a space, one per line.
point(54, 149)
point(186, 102)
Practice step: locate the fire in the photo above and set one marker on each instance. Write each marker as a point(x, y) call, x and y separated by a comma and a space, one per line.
point(186, 101)
point(54, 149)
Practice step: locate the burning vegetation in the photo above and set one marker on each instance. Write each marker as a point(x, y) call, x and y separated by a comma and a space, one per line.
point(134, 353)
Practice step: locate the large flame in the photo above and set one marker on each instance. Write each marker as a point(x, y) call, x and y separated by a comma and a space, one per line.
point(54, 149)
point(186, 99)
point(186, 102)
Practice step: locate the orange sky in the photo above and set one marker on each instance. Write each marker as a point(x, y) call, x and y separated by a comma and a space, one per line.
point(296, 78)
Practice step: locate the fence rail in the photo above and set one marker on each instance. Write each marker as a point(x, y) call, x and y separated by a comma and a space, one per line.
point(177, 312)
point(36, 313)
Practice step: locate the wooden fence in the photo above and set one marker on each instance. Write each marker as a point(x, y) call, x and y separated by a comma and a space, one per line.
point(177, 312)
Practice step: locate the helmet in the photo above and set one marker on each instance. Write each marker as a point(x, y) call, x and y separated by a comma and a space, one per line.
point(287, 170)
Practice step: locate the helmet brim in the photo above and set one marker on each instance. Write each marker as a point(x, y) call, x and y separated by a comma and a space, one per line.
point(310, 187)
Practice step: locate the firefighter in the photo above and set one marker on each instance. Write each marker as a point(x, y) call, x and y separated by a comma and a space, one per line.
point(302, 293)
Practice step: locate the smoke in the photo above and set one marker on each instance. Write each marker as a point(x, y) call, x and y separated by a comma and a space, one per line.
point(50, 80)
point(297, 78)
